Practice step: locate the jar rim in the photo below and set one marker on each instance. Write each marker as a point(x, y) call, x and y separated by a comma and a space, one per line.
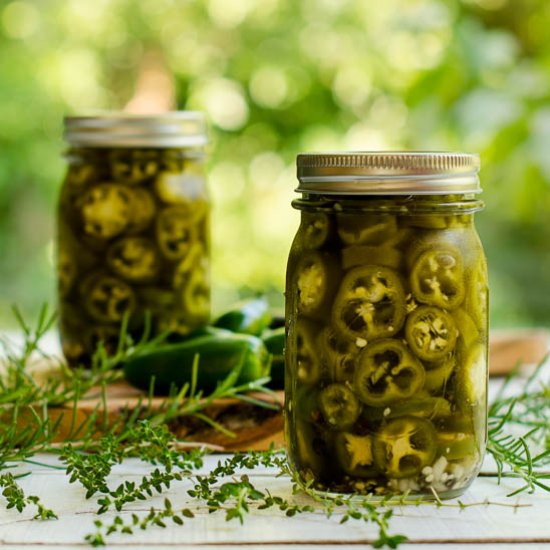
point(119, 129)
point(388, 173)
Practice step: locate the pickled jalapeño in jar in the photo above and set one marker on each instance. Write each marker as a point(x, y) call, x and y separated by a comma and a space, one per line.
point(133, 229)
point(386, 312)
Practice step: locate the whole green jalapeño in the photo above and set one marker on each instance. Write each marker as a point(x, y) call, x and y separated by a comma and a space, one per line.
point(133, 229)
point(387, 325)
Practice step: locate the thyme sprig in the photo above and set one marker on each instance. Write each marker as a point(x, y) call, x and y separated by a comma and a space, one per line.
point(16, 498)
point(154, 517)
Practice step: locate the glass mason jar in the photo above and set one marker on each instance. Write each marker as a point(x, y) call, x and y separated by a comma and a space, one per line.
point(133, 229)
point(386, 312)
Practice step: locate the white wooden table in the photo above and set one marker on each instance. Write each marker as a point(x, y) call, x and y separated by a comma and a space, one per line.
point(483, 526)
point(426, 527)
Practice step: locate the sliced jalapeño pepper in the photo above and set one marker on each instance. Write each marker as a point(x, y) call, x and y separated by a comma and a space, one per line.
point(308, 369)
point(338, 355)
point(339, 406)
point(196, 296)
point(176, 233)
point(315, 278)
point(387, 372)
point(143, 210)
point(134, 259)
point(107, 298)
point(438, 373)
point(316, 228)
point(471, 378)
point(421, 405)
point(133, 167)
point(437, 277)
point(457, 445)
point(178, 187)
point(354, 454)
point(310, 449)
point(370, 303)
point(353, 256)
point(106, 210)
point(66, 271)
point(306, 405)
point(431, 333)
point(476, 300)
point(357, 229)
point(404, 446)
point(468, 332)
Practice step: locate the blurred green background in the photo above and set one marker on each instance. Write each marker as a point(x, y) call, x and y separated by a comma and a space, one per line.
point(276, 77)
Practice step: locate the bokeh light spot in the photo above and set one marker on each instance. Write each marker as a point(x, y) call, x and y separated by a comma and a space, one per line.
point(268, 87)
point(20, 19)
point(224, 101)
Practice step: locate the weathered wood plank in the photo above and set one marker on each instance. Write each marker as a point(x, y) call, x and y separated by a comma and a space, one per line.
point(423, 525)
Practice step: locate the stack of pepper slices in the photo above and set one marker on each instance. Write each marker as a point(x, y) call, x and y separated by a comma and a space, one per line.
point(386, 348)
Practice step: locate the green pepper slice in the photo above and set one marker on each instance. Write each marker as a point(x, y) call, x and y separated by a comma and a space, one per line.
point(305, 405)
point(176, 232)
point(431, 333)
point(356, 229)
point(387, 372)
point(339, 406)
point(315, 230)
point(338, 354)
point(370, 303)
point(195, 258)
point(476, 301)
point(310, 451)
point(134, 259)
point(107, 298)
point(179, 187)
point(457, 445)
point(308, 369)
point(195, 297)
point(133, 167)
point(428, 221)
point(423, 406)
point(438, 373)
point(352, 256)
point(143, 210)
point(471, 377)
point(315, 279)
point(437, 277)
point(354, 454)
point(468, 332)
point(404, 446)
point(81, 173)
point(106, 210)
point(66, 271)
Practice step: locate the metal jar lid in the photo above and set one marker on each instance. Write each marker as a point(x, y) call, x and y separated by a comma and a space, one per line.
point(388, 173)
point(116, 129)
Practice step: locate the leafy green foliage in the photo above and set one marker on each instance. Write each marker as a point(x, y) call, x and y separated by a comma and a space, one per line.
point(519, 433)
point(276, 78)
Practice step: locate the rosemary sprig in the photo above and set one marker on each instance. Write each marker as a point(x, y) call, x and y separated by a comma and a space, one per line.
point(519, 432)
point(21, 396)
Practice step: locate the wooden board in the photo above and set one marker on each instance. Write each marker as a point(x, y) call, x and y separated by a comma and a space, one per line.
point(247, 426)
